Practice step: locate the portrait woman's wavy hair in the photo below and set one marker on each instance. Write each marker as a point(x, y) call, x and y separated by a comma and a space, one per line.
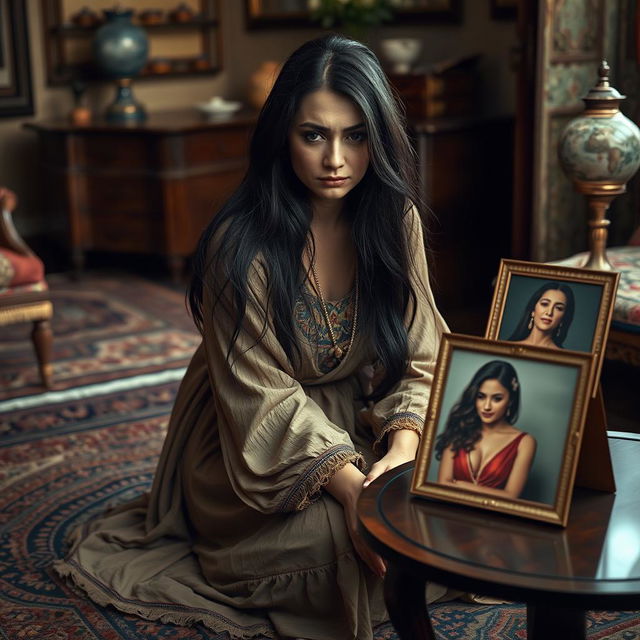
point(522, 328)
point(464, 427)
point(269, 215)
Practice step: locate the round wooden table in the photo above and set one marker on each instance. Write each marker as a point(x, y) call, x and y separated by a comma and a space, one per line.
point(593, 563)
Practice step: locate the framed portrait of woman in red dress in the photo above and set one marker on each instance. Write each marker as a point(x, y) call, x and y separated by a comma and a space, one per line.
point(504, 427)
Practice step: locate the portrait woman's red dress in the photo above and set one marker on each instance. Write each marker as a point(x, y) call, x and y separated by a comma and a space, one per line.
point(495, 472)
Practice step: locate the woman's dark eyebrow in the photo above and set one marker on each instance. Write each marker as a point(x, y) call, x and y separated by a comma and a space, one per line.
point(319, 127)
point(557, 304)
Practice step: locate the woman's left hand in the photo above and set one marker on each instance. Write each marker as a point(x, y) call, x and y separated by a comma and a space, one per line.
point(403, 445)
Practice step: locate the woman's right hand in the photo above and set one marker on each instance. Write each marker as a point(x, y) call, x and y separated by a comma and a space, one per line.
point(346, 486)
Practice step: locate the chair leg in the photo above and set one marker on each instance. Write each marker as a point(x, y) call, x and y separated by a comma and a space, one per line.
point(42, 337)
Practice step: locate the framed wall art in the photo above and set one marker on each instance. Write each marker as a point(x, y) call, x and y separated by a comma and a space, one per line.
point(504, 427)
point(16, 97)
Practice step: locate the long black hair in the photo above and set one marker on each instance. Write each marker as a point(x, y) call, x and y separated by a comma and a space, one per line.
point(522, 328)
point(464, 426)
point(269, 215)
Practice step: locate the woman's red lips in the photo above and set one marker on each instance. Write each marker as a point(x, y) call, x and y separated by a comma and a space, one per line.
point(334, 179)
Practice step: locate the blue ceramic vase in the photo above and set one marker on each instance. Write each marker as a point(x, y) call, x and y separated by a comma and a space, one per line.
point(121, 49)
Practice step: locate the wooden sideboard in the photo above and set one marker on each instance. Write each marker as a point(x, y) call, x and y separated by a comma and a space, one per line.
point(151, 188)
point(146, 188)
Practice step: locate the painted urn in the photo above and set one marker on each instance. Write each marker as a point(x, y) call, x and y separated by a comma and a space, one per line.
point(600, 151)
point(601, 147)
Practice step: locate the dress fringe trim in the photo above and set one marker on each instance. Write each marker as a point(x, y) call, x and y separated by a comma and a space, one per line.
point(165, 613)
point(406, 420)
point(308, 487)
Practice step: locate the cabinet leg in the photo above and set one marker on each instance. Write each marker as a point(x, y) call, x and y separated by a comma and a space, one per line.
point(405, 597)
point(78, 261)
point(176, 268)
point(43, 344)
point(555, 622)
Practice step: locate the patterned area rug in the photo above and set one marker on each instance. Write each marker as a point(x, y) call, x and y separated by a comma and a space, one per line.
point(104, 329)
point(62, 464)
point(64, 461)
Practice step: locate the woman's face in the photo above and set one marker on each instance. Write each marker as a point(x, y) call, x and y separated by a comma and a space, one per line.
point(549, 310)
point(492, 401)
point(328, 145)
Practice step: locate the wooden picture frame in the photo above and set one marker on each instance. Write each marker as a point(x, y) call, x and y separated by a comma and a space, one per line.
point(545, 412)
point(16, 95)
point(593, 294)
point(261, 14)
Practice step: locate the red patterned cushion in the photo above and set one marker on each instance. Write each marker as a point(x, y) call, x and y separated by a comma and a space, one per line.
point(18, 270)
point(626, 260)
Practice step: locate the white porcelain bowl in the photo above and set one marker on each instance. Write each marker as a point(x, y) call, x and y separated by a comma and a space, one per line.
point(218, 106)
point(401, 52)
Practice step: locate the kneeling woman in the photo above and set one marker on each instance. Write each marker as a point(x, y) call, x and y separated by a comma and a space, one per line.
point(480, 449)
point(311, 274)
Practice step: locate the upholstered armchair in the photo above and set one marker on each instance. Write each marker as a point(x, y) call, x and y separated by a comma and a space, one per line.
point(24, 294)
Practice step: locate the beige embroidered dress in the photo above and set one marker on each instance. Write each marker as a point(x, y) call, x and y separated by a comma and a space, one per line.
point(237, 532)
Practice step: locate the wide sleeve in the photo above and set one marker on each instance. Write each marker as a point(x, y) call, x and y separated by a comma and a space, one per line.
point(406, 406)
point(279, 448)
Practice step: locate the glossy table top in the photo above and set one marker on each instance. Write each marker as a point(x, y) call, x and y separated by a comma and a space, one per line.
point(593, 562)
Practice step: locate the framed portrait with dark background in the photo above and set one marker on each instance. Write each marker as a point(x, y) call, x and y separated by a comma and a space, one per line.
point(16, 97)
point(586, 297)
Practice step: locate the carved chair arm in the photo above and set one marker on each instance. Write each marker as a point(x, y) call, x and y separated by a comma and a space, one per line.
point(9, 236)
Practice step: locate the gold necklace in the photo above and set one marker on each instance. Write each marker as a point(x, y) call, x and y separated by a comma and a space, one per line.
point(336, 351)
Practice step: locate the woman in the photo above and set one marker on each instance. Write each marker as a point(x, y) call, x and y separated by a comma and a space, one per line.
point(547, 317)
point(480, 450)
point(312, 272)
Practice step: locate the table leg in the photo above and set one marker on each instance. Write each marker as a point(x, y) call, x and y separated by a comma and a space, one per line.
point(404, 595)
point(545, 622)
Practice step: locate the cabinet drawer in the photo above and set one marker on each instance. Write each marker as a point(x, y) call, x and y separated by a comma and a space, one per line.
point(117, 153)
point(129, 196)
point(206, 147)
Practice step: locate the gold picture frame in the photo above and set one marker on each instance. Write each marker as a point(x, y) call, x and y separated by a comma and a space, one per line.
point(546, 412)
point(592, 296)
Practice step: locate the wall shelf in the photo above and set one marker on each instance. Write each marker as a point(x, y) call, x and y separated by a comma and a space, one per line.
point(176, 49)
